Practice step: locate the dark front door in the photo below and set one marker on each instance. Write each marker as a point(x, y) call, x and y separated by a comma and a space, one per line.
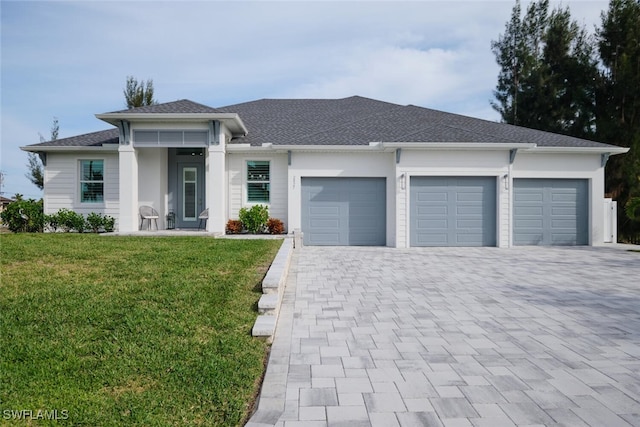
point(190, 194)
point(186, 187)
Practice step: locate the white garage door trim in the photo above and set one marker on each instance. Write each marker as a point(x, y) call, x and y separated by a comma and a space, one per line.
point(550, 212)
point(341, 211)
point(453, 211)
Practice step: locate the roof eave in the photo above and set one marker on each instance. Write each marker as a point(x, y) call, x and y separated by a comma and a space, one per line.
point(610, 149)
point(68, 148)
point(231, 120)
point(458, 145)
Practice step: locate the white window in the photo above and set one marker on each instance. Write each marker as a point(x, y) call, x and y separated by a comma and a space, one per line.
point(258, 181)
point(91, 181)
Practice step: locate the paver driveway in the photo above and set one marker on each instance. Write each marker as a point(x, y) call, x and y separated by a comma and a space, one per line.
point(456, 337)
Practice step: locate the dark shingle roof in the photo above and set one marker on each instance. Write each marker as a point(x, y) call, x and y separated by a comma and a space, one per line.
point(348, 121)
point(94, 139)
point(181, 106)
point(359, 121)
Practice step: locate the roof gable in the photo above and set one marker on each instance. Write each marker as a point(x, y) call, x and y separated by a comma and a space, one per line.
point(183, 106)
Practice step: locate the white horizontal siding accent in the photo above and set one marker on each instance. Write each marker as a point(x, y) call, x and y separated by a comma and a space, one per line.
point(62, 188)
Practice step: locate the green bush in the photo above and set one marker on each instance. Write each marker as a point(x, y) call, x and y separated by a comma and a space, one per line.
point(95, 222)
point(52, 222)
point(109, 223)
point(70, 221)
point(24, 216)
point(254, 219)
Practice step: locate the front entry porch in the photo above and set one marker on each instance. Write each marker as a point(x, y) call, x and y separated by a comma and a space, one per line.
point(180, 181)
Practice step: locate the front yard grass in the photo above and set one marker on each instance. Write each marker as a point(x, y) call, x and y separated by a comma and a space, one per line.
point(130, 330)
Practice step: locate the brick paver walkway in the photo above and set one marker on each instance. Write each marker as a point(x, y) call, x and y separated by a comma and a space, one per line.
point(456, 337)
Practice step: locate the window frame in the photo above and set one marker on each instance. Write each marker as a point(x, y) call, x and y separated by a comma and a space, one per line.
point(81, 182)
point(249, 182)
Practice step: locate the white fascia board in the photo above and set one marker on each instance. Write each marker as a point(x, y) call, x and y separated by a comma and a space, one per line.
point(232, 120)
point(612, 149)
point(460, 145)
point(270, 148)
point(48, 149)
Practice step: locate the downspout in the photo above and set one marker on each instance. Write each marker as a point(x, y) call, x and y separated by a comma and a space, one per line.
point(509, 183)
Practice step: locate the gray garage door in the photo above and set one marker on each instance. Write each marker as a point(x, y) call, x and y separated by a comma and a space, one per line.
point(453, 211)
point(550, 212)
point(344, 211)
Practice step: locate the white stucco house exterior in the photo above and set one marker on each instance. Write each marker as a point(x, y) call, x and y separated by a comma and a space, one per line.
point(352, 171)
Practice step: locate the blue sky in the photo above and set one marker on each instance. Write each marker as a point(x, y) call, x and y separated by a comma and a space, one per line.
point(70, 59)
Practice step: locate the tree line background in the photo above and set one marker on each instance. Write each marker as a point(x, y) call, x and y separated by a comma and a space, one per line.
point(557, 76)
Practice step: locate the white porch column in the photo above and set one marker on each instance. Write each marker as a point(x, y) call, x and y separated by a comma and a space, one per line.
point(128, 166)
point(216, 188)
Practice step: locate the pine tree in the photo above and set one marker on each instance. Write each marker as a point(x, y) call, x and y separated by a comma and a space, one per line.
point(546, 71)
point(34, 165)
point(138, 94)
point(618, 120)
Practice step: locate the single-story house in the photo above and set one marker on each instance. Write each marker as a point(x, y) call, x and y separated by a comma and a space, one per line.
point(352, 171)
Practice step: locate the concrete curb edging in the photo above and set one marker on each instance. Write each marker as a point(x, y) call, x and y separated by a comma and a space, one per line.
point(272, 291)
point(271, 400)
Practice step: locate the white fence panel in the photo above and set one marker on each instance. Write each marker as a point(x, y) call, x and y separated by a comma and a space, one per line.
point(610, 221)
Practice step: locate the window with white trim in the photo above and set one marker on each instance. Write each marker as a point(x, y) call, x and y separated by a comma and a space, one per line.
point(258, 181)
point(91, 181)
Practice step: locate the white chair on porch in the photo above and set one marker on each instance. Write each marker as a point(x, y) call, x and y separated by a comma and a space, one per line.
point(204, 216)
point(148, 213)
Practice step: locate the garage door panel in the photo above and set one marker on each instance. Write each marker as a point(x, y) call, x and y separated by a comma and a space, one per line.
point(324, 223)
point(469, 224)
point(453, 211)
point(564, 211)
point(527, 196)
point(527, 211)
point(524, 224)
point(470, 210)
point(432, 210)
point(332, 239)
point(433, 197)
point(469, 197)
point(325, 210)
point(434, 239)
point(344, 211)
point(433, 224)
point(558, 216)
point(470, 239)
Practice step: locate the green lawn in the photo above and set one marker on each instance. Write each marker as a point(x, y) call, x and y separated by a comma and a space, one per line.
point(130, 330)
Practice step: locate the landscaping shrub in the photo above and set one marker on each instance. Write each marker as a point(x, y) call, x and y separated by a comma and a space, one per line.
point(95, 221)
point(24, 216)
point(109, 223)
point(254, 219)
point(234, 226)
point(275, 226)
point(52, 222)
point(70, 221)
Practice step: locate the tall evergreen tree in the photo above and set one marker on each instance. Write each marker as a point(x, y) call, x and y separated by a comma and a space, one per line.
point(619, 102)
point(546, 66)
point(34, 165)
point(138, 94)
